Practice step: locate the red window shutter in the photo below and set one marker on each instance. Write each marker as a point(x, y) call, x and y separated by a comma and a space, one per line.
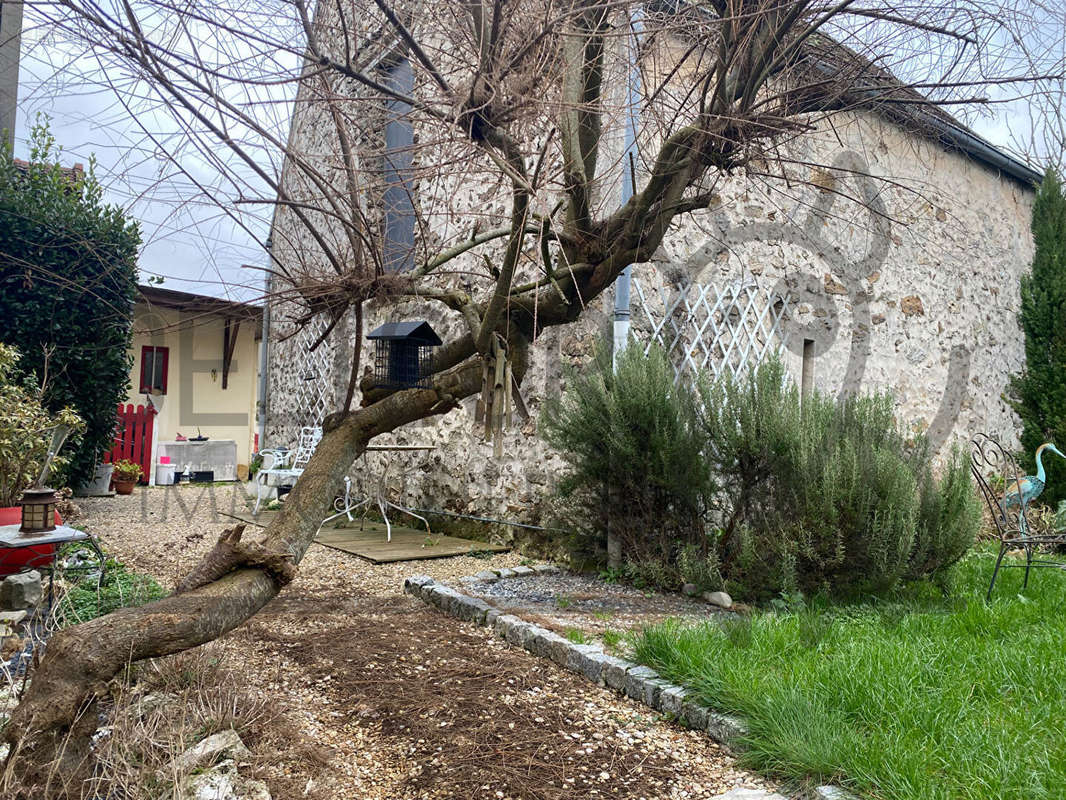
point(146, 357)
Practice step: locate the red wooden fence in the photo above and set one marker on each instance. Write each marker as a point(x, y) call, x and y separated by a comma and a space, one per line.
point(133, 437)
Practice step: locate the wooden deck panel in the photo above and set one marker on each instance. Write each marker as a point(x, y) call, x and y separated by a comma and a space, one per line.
point(367, 540)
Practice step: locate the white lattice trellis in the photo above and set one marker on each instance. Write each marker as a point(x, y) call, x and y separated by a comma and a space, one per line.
point(315, 391)
point(704, 328)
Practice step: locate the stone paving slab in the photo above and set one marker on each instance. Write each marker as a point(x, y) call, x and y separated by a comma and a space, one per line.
point(749, 794)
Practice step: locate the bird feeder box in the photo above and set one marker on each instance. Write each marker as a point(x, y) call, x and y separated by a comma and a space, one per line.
point(402, 354)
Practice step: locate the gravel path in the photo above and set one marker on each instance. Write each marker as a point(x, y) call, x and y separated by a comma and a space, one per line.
point(390, 699)
point(564, 600)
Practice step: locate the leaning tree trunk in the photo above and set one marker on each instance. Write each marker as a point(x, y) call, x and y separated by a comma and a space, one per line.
point(49, 732)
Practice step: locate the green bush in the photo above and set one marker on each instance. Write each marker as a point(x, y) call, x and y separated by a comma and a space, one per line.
point(633, 443)
point(25, 430)
point(828, 496)
point(67, 283)
point(949, 517)
point(740, 479)
point(699, 565)
point(119, 588)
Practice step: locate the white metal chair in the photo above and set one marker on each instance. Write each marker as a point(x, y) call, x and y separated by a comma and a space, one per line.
point(285, 464)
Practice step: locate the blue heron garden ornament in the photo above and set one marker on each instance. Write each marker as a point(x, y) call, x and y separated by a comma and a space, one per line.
point(1024, 491)
point(990, 462)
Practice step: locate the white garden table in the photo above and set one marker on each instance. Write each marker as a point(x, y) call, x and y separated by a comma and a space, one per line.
point(345, 506)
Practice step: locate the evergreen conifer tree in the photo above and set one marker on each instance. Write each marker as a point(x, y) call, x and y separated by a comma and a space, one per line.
point(1038, 393)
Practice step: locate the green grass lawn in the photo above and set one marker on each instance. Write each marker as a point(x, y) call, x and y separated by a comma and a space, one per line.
point(920, 697)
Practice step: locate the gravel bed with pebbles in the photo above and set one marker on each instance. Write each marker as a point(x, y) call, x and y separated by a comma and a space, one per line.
point(567, 600)
point(390, 698)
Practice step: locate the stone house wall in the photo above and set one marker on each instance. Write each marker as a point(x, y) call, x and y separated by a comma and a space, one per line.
point(913, 290)
point(916, 293)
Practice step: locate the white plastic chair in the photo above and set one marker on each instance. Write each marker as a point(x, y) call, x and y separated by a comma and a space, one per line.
point(285, 465)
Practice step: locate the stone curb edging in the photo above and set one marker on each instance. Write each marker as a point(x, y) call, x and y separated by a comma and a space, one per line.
point(635, 681)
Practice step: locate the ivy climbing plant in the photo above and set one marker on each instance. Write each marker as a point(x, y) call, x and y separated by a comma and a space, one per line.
point(68, 281)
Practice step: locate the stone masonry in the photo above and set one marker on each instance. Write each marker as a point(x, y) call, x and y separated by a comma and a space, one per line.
point(900, 260)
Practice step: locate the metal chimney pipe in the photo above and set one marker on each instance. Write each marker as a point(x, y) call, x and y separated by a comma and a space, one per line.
point(10, 44)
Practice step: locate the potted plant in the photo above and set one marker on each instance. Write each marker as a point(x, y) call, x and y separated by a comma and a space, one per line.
point(100, 483)
point(125, 475)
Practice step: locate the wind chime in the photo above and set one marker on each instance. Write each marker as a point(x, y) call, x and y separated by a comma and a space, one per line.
point(494, 405)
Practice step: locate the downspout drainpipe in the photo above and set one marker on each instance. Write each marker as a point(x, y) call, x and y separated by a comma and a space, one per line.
point(623, 282)
point(264, 362)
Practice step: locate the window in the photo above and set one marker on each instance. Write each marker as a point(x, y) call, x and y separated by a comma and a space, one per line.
point(399, 142)
point(807, 375)
point(154, 369)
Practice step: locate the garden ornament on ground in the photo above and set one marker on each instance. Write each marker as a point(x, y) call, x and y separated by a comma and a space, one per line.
point(346, 505)
point(1024, 491)
point(992, 466)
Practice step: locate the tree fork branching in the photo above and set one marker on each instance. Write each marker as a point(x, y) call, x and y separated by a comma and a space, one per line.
point(725, 85)
point(49, 730)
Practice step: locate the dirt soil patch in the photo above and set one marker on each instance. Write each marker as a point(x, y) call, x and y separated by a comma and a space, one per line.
point(388, 698)
point(474, 717)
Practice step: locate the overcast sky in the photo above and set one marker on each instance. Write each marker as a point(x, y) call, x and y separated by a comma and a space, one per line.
point(191, 244)
point(193, 247)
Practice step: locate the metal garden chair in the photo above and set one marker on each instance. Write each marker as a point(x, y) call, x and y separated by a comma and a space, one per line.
point(1000, 482)
point(346, 505)
point(285, 464)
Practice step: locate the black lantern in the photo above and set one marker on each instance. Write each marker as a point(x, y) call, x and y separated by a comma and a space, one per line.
point(39, 501)
point(403, 354)
point(38, 510)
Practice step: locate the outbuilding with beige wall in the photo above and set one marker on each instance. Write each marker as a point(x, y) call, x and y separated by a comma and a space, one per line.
point(195, 360)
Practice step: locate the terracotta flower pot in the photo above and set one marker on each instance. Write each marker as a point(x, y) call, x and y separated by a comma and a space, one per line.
point(124, 487)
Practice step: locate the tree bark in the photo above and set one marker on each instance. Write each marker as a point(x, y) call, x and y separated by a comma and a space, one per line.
point(49, 732)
